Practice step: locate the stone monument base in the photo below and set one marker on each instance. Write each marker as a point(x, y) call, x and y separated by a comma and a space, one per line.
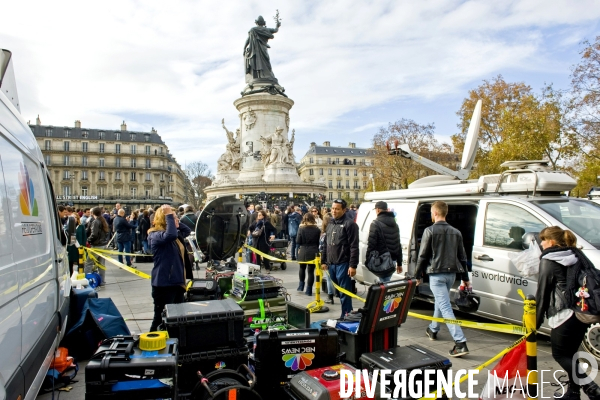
point(277, 172)
point(271, 189)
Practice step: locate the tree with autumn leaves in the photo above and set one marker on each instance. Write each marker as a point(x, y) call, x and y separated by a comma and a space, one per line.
point(517, 123)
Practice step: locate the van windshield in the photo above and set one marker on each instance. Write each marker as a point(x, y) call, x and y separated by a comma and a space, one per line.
point(580, 216)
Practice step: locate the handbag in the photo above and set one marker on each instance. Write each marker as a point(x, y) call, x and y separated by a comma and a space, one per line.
point(380, 264)
point(258, 231)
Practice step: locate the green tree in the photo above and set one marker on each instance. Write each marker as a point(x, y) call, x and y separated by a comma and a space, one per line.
point(516, 124)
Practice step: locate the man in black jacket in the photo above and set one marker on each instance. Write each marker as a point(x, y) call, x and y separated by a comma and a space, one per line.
point(384, 236)
point(442, 257)
point(340, 253)
point(123, 229)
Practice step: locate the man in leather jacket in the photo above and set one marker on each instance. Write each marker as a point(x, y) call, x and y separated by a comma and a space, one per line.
point(442, 257)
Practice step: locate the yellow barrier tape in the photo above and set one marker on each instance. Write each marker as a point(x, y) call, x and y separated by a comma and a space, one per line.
point(269, 257)
point(114, 252)
point(95, 260)
point(502, 328)
point(482, 366)
point(342, 290)
point(120, 265)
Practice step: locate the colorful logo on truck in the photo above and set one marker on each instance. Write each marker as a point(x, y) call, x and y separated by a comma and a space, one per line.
point(27, 199)
point(298, 361)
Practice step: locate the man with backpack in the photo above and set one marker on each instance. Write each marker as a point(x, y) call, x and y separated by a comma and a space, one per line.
point(294, 220)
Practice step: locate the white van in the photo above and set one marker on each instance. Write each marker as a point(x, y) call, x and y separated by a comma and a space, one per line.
point(34, 280)
point(497, 215)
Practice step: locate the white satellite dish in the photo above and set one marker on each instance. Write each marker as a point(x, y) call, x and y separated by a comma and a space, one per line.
point(472, 143)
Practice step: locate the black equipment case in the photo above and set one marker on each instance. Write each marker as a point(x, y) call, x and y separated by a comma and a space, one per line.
point(385, 310)
point(205, 325)
point(409, 358)
point(202, 289)
point(279, 355)
point(207, 362)
point(262, 308)
point(120, 370)
point(255, 287)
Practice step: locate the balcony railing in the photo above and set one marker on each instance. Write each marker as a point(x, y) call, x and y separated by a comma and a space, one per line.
point(113, 165)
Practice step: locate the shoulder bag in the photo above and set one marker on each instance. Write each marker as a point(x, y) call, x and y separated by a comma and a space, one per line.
point(380, 264)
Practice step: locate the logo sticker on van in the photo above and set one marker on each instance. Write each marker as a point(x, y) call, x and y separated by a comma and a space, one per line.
point(27, 199)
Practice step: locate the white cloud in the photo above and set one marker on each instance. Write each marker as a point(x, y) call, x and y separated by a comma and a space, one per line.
point(178, 66)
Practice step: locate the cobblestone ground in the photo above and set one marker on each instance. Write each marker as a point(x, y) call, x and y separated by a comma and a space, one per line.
point(132, 296)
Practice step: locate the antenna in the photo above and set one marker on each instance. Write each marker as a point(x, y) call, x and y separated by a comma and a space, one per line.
point(469, 152)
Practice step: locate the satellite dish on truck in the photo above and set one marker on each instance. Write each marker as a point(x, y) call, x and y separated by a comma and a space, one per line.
point(448, 175)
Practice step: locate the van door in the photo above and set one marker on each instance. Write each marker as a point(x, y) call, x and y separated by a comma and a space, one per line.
point(500, 226)
point(32, 247)
point(10, 311)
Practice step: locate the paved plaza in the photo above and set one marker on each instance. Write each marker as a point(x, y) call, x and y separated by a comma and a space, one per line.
point(132, 296)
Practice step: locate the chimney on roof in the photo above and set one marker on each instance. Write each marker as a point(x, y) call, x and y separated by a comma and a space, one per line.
point(326, 144)
point(78, 124)
point(312, 144)
point(38, 121)
point(153, 130)
point(123, 126)
point(352, 145)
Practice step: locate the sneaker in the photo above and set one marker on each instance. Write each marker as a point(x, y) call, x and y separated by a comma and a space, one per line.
point(300, 287)
point(459, 349)
point(431, 334)
point(572, 393)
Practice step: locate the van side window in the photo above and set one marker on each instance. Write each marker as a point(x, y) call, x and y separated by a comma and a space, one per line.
point(506, 226)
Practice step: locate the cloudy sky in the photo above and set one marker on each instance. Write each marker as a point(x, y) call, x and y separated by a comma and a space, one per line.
point(350, 66)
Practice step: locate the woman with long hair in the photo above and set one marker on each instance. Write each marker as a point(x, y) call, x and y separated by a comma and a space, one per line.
point(308, 240)
point(315, 212)
point(98, 237)
point(560, 264)
point(261, 242)
point(168, 276)
point(81, 238)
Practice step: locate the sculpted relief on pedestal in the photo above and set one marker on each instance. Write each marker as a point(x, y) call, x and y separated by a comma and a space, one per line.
point(230, 160)
point(276, 149)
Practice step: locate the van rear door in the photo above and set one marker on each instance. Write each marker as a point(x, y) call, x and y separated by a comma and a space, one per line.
point(500, 224)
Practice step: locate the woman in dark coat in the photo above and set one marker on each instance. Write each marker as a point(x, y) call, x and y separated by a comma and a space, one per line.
point(308, 240)
point(168, 276)
point(557, 284)
point(81, 236)
point(143, 228)
point(262, 242)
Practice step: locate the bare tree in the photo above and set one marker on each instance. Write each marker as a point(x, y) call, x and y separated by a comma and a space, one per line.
point(199, 178)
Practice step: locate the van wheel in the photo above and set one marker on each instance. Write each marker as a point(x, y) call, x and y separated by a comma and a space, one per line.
point(283, 266)
point(591, 341)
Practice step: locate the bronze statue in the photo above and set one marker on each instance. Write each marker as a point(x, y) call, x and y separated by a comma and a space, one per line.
point(256, 56)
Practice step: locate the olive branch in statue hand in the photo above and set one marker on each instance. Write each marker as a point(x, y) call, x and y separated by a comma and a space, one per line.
point(277, 19)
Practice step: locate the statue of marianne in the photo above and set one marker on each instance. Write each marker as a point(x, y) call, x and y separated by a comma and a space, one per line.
point(256, 56)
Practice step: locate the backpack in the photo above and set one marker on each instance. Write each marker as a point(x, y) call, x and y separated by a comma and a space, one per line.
point(587, 308)
point(62, 371)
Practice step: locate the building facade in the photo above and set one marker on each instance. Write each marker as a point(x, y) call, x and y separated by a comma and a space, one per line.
point(346, 171)
point(90, 167)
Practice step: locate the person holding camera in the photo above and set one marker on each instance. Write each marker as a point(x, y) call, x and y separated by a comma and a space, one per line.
point(167, 277)
point(260, 230)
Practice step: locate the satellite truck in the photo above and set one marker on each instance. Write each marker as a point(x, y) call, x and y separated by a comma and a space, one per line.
point(34, 270)
point(498, 216)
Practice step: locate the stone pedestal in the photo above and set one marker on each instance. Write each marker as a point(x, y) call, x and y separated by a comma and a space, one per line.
point(280, 173)
point(260, 115)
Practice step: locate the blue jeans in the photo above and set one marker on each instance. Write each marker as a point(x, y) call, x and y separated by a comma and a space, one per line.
point(339, 276)
point(440, 285)
point(125, 248)
point(384, 279)
point(294, 248)
point(145, 246)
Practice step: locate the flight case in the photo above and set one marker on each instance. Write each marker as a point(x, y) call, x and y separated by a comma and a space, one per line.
point(205, 325)
point(408, 358)
point(120, 370)
point(281, 354)
point(201, 289)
